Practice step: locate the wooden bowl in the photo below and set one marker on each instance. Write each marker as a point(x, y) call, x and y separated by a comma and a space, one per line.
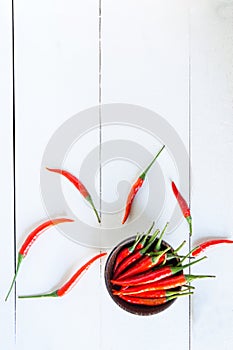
point(142, 310)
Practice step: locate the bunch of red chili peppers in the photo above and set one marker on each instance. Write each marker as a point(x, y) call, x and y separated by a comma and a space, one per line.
point(146, 273)
point(151, 273)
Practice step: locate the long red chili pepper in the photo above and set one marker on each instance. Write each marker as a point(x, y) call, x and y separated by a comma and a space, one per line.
point(144, 264)
point(134, 256)
point(150, 301)
point(30, 240)
point(137, 245)
point(136, 186)
point(164, 284)
point(202, 247)
point(183, 206)
point(152, 276)
point(154, 293)
point(79, 185)
point(69, 284)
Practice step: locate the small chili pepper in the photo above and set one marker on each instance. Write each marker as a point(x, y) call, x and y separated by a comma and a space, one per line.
point(151, 301)
point(183, 206)
point(30, 240)
point(134, 256)
point(69, 284)
point(144, 264)
point(138, 244)
point(202, 247)
point(152, 276)
point(154, 293)
point(136, 186)
point(79, 185)
point(164, 284)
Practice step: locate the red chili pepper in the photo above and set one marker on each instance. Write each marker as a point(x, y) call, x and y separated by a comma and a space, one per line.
point(69, 284)
point(138, 244)
point(134, 256)
point(152, 276)
point(150, 301)
point(136, 186)
point(183, 206)
point(164, 284)
point(126, 252)
point(78, 184)
point(30, 240)
point(152, 293)
point(202, 247)
point(142, 265)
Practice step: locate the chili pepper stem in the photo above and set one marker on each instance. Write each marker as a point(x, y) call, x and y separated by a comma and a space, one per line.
point(178, 295)
point(186, 256)
point(89, 199)
point(180, 246)
point(20, 259)
point(143, 175)
point(190, 278)
point(147, 234)
point(158, 244)
point(151, 241)
point(52, 294)
point(177, 268)
point(189, 219)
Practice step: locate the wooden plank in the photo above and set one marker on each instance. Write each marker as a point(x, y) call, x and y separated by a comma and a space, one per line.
point(56, 77)
point(145, 63)
point(6, 175)
point(211, 66)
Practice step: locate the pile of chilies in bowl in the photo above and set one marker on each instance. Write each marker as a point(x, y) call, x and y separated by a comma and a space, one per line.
point(149, 272)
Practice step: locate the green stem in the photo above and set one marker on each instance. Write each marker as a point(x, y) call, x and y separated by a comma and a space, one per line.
point(190, 278)
point(176, 269)
point(52, 294)
point(151, 241)
point(186, 256)
point(158, 245)
point(89, 199)
point(143, 175)
point(147, 234)
point(137, 240)
point(20, 259)
point(178, 295)
point(156, 258)
point(180, 246)
point(189, 219)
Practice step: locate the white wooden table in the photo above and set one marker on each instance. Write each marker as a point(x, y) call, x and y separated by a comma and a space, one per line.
point(172, 57)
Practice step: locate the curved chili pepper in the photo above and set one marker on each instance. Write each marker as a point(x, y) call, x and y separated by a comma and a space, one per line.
point(136, 186)
point(69, 284)
point(138, 244)
point(152, 276)
point(79, 185)
point(134, 256)
point(151, 301)
point(202, 247)
point(183, 206)
point(30, 240)
point(164, 284)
